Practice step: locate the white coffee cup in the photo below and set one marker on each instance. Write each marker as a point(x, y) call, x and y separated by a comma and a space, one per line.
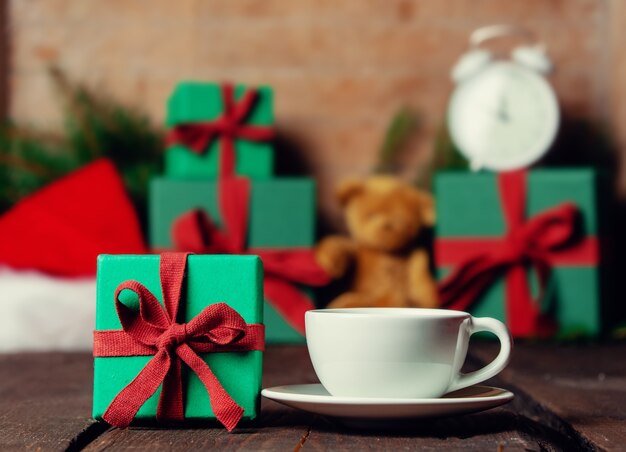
point(398, 352)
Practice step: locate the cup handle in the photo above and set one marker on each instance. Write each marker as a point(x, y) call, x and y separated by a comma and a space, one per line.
point(494, 367)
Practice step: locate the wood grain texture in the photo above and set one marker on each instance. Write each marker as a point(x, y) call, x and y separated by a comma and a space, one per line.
point(278, 427)
point(584, 386)
point(567, 398)
point(283, 428)
point(515, 426)
point(45, 400)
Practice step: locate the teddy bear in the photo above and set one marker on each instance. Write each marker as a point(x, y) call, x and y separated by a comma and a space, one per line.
point(384, 216)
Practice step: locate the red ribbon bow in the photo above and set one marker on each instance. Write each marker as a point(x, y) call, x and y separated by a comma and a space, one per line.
point(194, 232)
point(540, 242)
point(198, 135)
point(154, 331)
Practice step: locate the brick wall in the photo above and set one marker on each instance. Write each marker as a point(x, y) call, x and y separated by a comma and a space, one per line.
point(340, 67)
point(4, 60)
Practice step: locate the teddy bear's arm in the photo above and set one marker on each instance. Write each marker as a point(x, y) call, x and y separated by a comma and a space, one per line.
point(422, 288)
point(334, 254)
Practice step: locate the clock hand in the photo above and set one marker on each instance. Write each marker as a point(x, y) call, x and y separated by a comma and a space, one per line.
point(492, 111)
point(502, 110)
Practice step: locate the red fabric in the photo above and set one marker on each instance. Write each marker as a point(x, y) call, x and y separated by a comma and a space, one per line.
point(195, 232)
point(231, 125)
point(540, 242)
point(154, 331)
point(63, 227)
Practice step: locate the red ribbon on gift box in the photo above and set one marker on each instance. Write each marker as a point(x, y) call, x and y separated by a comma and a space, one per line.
point(194, 232)
point(231, 125)
point(541, 242)
point(153, 330)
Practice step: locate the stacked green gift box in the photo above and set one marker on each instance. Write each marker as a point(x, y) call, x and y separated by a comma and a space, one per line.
point(471, 222)
point(181, 336)
point(281, 211)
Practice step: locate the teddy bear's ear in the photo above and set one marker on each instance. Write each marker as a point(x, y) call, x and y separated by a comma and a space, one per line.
point(427, 208)
point(348, 188)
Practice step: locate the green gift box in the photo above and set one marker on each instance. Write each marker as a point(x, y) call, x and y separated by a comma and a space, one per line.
point(472, 221)
point(194, 103)
point(281, 216)
point(208, 281)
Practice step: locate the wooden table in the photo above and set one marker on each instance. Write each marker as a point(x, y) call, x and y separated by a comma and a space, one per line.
point(568, 397)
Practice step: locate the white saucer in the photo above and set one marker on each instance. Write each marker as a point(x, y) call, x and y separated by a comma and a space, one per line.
point(315, 399)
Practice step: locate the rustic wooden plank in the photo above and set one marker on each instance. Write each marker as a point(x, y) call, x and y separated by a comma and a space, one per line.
point(583, 385)
point(511, 427)
point(45, 401)
point(497, 429)
point(283, 428)
point(278, 428)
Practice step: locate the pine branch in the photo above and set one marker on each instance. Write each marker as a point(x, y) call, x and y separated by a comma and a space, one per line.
point(402, 125)
point(95, 126)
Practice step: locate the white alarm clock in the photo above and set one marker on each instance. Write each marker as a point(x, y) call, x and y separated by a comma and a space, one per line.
point(503, 114)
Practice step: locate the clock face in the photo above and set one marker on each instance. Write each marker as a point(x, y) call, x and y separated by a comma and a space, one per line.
point(504, 117)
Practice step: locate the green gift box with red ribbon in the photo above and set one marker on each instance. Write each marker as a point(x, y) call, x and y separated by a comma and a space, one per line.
point(272, 218)
point(522, 247)
point(178, 337)
point(204, 118)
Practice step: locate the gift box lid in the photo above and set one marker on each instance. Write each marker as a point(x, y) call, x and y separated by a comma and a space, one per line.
point(468, 204)
point(198, 101)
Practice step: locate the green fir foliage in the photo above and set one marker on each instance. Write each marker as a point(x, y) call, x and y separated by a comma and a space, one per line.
point(399, 130)
point(95, 126)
